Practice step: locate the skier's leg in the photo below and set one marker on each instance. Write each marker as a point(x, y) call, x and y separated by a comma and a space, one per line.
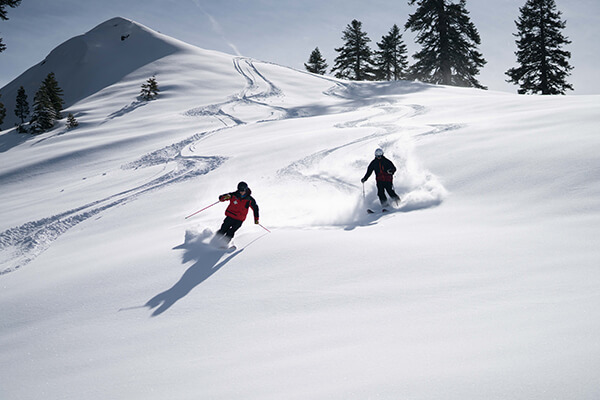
point(390, 189)
point(225, 226)
point(381, 193)
point(234, 226)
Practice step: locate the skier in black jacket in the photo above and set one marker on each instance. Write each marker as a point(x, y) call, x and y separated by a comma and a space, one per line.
point(384, 172)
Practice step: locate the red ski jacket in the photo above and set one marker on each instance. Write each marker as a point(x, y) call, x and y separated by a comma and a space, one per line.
point(238, 205)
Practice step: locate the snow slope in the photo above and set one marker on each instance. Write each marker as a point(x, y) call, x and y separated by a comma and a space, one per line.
point(483, 283)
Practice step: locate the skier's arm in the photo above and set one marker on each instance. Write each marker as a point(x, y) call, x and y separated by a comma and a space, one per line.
point(254, 207)
point(391, 168)
point(225, 197)
point(369, 172)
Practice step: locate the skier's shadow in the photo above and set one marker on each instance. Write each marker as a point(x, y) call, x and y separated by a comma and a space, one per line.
point(207, 263)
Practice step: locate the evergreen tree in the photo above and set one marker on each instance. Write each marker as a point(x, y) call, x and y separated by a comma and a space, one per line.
point(54, 92)
point(22, 106)
point(71, 121)
point(44, 113)
point(543, 64)
point(390, 59)
point(354, 60)
point(3, 5)
point(316, 63)
point(47, 105)
point(449, 42)
point(2, 113)
point(149, 89)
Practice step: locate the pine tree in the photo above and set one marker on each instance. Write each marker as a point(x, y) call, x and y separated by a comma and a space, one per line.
point(44, 114)
point(354, 60)
point(391, 60)
point(2, 113)
point(22, 106)
point(71, 121)
point(54, 93)
point(316, 63)
point(3, 5)
point(149, 89)
point(47, 105)
point(449, 42)
point(543, 64)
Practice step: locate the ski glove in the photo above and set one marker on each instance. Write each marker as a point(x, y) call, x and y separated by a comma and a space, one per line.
point(390, 171)
point(256, 221)
point(363, 180)
point(224, 197)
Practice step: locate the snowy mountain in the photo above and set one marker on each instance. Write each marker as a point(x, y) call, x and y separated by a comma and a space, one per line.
point(482, 283)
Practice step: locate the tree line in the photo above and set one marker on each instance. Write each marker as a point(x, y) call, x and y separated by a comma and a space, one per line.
point(449, 54)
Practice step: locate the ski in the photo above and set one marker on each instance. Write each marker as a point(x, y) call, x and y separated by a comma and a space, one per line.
point(369, 211)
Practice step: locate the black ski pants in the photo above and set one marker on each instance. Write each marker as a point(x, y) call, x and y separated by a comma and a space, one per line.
point(383, 187)
point(229, 227)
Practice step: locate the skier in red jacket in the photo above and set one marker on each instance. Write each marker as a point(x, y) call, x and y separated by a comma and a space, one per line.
point(384, 172)
point(235, 214)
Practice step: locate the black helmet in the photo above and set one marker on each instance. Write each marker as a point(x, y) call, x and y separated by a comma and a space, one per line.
point(242, 186)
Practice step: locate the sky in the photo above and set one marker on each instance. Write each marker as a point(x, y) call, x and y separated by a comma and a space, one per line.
point(286, 32)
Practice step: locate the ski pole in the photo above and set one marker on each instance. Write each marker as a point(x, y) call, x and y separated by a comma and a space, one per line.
point(264, 228)
point(199, 211)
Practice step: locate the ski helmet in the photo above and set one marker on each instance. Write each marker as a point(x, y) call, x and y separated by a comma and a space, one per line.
point(242, 186)
point(378, 153)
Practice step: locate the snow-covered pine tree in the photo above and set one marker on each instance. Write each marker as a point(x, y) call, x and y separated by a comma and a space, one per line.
point(316, 63)
point(54, 93)
point(44, 114)
point(3, 5)
point(149, 89)
point(354, 61)
point(391, 60)
point(449, 42)
point(543, 64)
point(21, 108)
point(71, 121)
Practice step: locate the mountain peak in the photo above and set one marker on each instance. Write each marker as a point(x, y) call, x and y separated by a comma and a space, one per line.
point(86, 64)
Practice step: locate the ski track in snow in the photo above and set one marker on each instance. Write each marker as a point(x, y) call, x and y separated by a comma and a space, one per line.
point(257, 88)
point(21, 245)
point(425, 193)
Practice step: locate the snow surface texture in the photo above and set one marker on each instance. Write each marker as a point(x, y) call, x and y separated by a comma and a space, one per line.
point(482, 284)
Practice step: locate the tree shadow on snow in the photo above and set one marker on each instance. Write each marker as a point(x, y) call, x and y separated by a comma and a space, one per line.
point(127, 109)
point(12, 138)
point(208, 260)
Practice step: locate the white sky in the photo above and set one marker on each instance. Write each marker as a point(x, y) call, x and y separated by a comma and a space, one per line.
point(285, 32)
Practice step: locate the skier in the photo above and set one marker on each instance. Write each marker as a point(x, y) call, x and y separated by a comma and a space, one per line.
point(235, 214)
point(384, 173)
